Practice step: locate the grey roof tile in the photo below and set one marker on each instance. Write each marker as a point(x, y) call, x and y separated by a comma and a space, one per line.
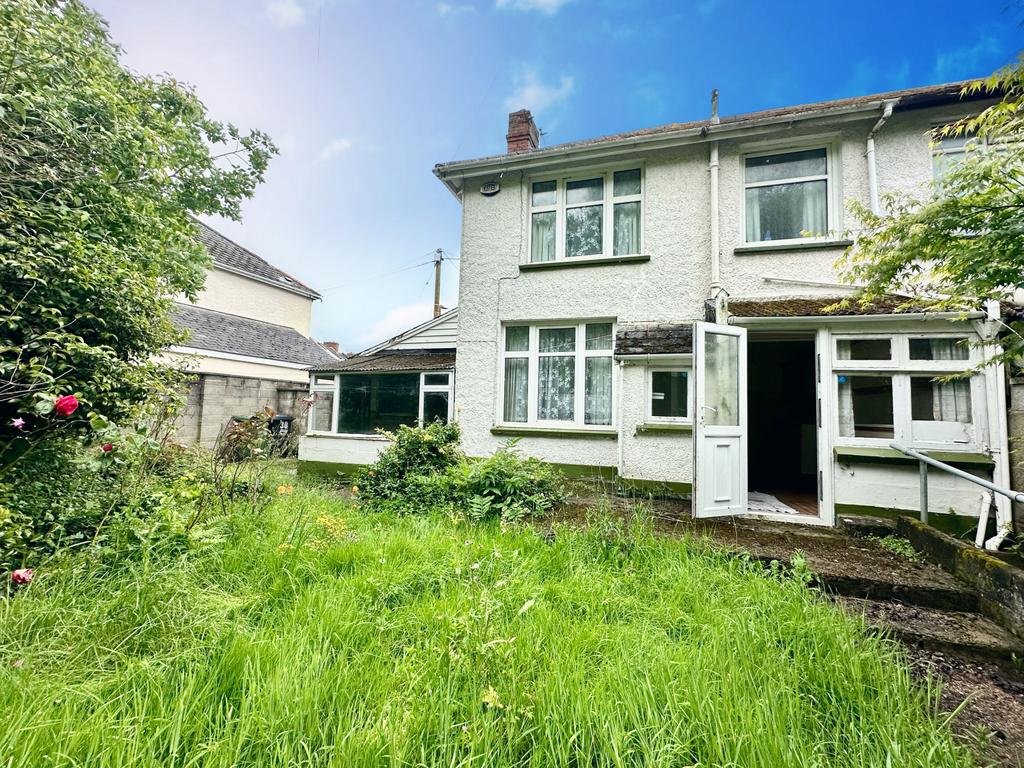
point(221, 332)
point(654, 339)
point(230, 255)
point(393, 360)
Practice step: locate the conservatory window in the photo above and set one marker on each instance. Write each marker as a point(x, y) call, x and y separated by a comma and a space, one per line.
point(558, 374)
point(363, 403)
point(591, 216)
point(786, 195)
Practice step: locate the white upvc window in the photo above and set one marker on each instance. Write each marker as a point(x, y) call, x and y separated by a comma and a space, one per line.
point(668, 395)
point(788, 195)
point(323, 413)
point(949, 151)
point(588, 215)
point(894, 387)
point(436, 402)
point(558, 374)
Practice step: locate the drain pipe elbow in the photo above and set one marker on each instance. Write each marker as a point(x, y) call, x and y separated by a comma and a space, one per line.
point(876, 206)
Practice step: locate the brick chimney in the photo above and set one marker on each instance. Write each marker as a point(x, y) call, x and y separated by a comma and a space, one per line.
point(522, 132)
point(333, 346)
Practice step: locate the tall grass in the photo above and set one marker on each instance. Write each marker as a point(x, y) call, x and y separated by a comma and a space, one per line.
point(322, 637)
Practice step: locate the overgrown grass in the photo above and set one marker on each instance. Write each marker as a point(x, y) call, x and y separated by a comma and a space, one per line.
point(322, 637)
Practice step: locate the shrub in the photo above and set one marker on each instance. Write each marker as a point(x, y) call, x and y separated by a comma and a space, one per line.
point(414, 452)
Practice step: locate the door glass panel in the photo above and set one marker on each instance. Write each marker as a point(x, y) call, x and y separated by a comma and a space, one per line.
point(865, 406)
point(721, 380)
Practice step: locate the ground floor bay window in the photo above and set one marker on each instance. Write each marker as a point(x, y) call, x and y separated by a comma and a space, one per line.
point(363, 403)
point(558, 374)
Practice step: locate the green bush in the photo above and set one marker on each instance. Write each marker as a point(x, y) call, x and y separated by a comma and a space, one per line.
point(424, 469)
point(414, 451)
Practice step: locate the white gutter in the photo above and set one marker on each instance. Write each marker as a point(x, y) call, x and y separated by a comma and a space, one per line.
point(734, 320)
point(876, 207)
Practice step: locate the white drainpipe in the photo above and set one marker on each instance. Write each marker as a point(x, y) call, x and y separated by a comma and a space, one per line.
point(876, 207)
point(716, 267)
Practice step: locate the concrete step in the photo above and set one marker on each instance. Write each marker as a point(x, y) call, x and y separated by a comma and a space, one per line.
point(959, 633)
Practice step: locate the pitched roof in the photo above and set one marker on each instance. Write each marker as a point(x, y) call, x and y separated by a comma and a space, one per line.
point(654, 339)
point(907, 98)
point(221, 332)
point(392, 360)
point(446, 316)
point(815, 307)
point(229, 255)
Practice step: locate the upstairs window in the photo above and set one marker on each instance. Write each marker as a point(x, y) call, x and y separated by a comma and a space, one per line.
point(589, 216)
point(950, 151)
point(786, 195)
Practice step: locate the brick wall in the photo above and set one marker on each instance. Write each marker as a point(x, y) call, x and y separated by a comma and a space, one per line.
point(214, 399)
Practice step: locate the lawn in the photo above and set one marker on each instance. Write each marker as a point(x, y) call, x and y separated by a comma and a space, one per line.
point(318, 635)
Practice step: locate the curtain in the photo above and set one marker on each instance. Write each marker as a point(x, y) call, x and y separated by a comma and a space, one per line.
point(846, 423)
point(598, 406)
point(753, 216)
point(543, 237)
point(516, 402)
point(627, 229)
point(815, 219)
point(557, 388)
point(951, 401)
point(786, 211)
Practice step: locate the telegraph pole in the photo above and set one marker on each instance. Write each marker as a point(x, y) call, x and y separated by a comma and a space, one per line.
point(438, 257)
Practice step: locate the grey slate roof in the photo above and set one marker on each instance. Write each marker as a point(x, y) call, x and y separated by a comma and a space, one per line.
point(233, 257)
point(221, 332)
point(654, 339)
point(815, 307)
point(393, 360)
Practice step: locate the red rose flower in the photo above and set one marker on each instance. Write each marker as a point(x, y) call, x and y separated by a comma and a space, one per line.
point(22, 576)
point(107, 447)
point(66, 405)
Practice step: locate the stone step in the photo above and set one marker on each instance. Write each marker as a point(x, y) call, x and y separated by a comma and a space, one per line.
point(959, 633)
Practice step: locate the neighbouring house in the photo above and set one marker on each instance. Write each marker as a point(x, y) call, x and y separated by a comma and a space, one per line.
point(655, 307)
point(408, 379)
point(249, 344)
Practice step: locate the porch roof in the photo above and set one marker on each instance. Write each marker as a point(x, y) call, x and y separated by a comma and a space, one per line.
point(815, 307)
point(654, 339)
point(392, 360)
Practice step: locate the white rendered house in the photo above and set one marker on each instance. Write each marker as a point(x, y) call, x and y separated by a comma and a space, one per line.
point(652, 306)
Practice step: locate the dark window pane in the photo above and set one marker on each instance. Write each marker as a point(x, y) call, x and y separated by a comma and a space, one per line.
point(864, 349)
point(669, 394)
point(435, 379)
point(865, 406)
point(517, 338)
point(544, 193)
point(627, 183)
point(787, 165)
point(369, 402)
point(435, 407)
point(584, 235)
point(939, 349)
point(934, 400)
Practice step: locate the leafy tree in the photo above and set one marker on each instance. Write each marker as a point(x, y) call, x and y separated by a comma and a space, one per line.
point(101, 171)
point(963, 244)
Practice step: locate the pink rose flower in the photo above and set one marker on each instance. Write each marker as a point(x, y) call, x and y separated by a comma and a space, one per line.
point(65, 405)
point(107, 447)
point(22, 576)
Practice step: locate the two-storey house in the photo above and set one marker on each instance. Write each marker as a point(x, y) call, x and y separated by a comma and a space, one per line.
point(653, 306)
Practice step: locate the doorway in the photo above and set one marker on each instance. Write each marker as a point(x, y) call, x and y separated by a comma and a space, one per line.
point(782, 397)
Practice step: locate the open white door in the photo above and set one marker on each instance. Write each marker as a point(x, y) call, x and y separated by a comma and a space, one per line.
point(720, 423)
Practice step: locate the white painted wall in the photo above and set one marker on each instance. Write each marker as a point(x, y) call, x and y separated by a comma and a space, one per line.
point(659, 457)
point(237, 295)
point(204, 363)
point(343, 449)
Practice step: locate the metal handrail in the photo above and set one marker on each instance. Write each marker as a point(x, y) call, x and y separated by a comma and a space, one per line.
point(924, 461)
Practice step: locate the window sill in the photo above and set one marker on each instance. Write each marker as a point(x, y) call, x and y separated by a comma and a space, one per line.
point(609, 433)
point(873, 455)
point(654, 428)
point(584, 261)
point(346, 436)
point(790, 245)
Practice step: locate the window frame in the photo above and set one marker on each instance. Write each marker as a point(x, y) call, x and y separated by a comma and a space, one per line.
point(831, 188)
point(901, 369)
point(649, 416)
point(533, 355)
point(335, 386)
point(608, 201)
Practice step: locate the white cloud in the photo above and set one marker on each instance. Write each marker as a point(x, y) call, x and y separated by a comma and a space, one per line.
point(544, 6)
point(447, 10)
point(969, 61)
point(533, 94)
point(285, 14)
point(397, 320)
point(333, 148)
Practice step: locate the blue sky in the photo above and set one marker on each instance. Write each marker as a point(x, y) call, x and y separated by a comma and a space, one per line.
point(364, 97)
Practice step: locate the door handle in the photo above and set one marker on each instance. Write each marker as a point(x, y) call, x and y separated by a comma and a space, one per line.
point(709, 408)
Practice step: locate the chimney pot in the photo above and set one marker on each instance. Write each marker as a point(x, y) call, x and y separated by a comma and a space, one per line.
point(333, 346)
point(523, 135)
